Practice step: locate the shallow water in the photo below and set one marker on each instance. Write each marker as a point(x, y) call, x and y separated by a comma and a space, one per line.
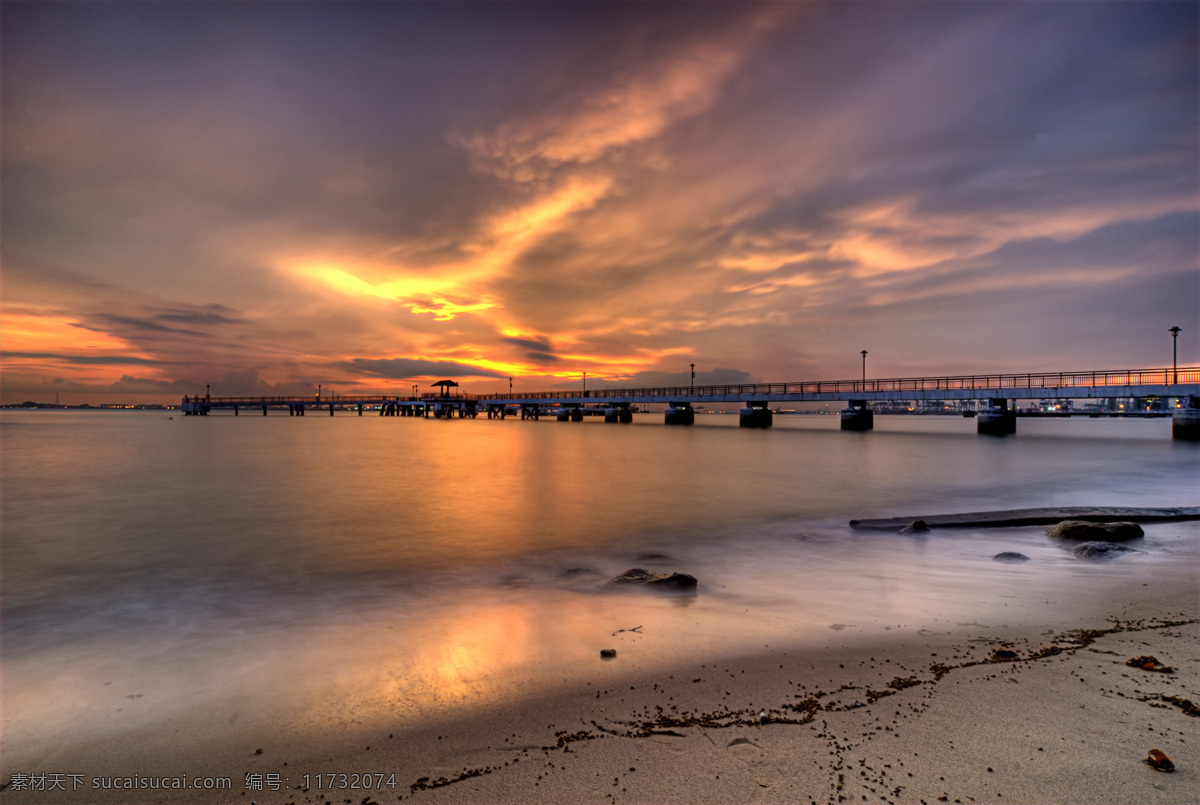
point(334, 570)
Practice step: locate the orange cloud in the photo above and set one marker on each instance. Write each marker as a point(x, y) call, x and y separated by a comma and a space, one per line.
point(46, 332)
point(53, 344)
point(450, 289)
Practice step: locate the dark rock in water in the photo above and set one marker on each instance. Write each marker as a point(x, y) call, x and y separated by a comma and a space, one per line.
point(1022, 517)
point(652, 557)
point(1010, 556)
point(608, 653)
point(1085, 531)
point(1102, 550)
point(915, 527)
point(668, 581)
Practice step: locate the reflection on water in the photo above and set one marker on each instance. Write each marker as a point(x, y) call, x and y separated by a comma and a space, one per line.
point(331, 571)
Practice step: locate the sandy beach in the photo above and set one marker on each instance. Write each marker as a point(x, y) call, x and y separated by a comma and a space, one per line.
point(993, 711)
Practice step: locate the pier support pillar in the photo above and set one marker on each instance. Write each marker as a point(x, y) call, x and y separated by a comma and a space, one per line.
point(996, 419)
point(618, 413)
point(679, 413)
point(360, 409)
point(235, 410)
point(331, 409)
point(858, 416)
point(576, 414)
point(1185, 422)
point(756, 414)
point(264, 409)
point(563, 415)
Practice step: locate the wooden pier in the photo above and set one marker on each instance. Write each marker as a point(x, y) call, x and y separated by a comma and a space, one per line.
point(617, 404)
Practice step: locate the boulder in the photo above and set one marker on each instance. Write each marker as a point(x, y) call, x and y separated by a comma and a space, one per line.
point(915, 527)
point(665, 581)
point(1010, 556)
point(1085, 531)
point(1102, 550)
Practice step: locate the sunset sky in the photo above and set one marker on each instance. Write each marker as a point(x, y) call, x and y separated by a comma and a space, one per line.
point(264, 196)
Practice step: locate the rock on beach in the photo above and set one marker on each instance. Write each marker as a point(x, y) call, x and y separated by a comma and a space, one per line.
point(665, 581)
point(1085, 531)
point(1010, 556)
point(1102, 550)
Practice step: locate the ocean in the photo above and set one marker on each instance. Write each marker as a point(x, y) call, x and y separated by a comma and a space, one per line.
point(324, 572)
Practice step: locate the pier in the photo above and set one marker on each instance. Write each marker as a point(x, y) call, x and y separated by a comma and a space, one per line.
point(996, 392)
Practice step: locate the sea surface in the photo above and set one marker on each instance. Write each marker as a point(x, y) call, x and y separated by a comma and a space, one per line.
point(323, 571)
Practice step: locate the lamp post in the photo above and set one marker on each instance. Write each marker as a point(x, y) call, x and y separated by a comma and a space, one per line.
point(1174, 354)
point(692, 385)
point(585, 382)
point(864, 354)
point(318, 392)
point(510, 387)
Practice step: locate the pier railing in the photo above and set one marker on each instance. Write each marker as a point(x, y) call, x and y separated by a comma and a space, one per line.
point(1056, 380)
point(1061, 381)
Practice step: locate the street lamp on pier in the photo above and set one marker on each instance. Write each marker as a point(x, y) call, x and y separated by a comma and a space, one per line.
point(318, 392)
point(692, 385)
point(585, 382)
point(864, 354)
point(1174, 354)
point(510, 387)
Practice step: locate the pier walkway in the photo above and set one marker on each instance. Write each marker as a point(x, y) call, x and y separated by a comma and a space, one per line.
point(616, 404)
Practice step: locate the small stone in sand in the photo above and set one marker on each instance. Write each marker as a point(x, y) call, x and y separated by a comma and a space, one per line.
point(608, 653)
point(1159, 761)
point(1148, 662)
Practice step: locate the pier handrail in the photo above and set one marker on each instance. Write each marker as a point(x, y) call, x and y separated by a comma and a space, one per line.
point(1049, 380)
point(1056, 380)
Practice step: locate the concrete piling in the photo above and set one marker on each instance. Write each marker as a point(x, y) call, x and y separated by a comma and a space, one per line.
point(755, 415)
point(997, 419)
point(858, 416)
point(679, 413)
point(1185, 422)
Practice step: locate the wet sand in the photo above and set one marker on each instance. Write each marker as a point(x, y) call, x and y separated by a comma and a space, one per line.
point(966, 713)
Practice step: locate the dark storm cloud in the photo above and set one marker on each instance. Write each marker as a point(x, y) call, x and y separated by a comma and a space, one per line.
point(704, 377)
point(84, 360)
point(145, 325)
point(407, 369)
point(530, 343)
point(210, 314)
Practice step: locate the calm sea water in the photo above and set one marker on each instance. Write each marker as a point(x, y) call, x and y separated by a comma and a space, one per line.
point(337, 570)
